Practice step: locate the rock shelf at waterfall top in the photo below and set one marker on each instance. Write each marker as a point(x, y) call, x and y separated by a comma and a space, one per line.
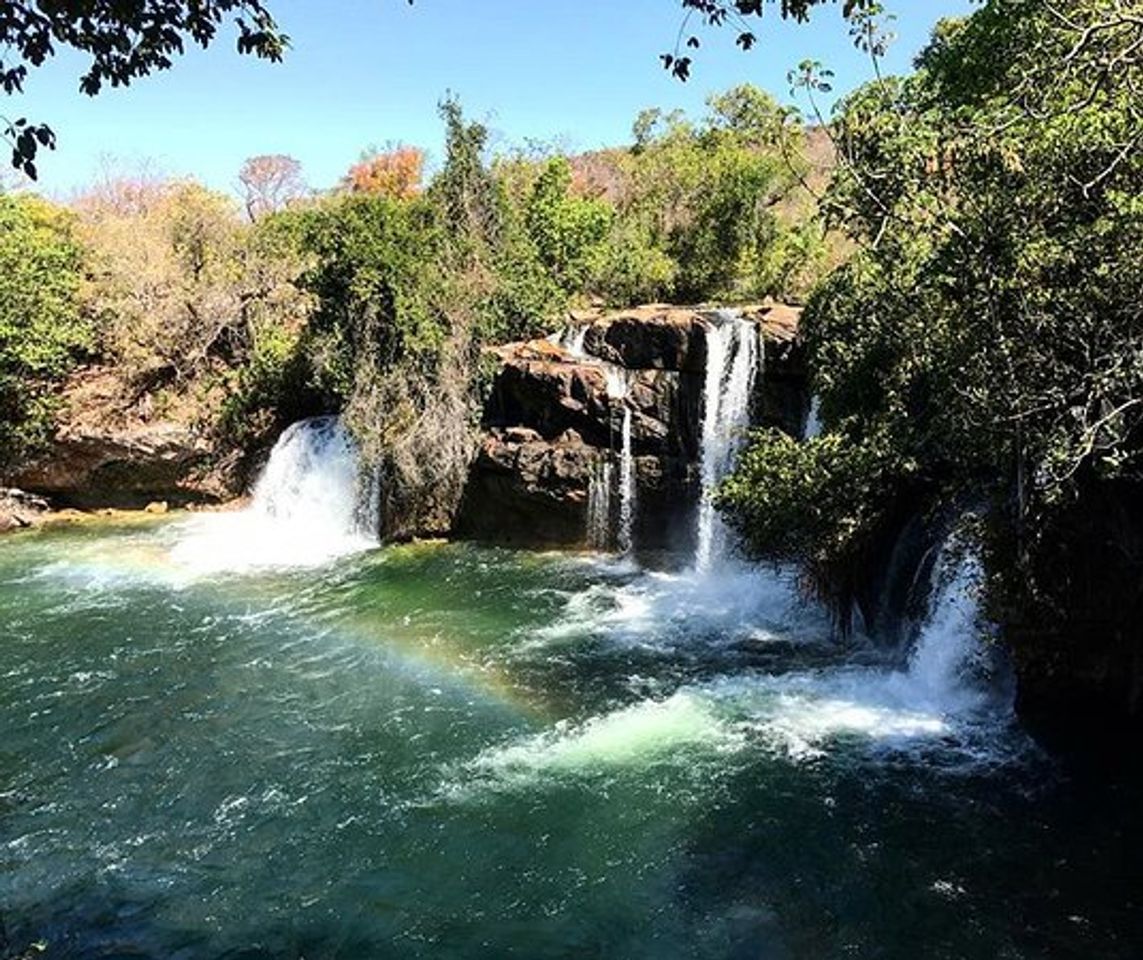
point(554, 425)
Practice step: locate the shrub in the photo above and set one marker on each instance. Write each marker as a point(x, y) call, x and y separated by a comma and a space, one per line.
point(42, 330)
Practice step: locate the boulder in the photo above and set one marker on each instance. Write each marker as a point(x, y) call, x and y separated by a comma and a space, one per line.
point(20, 509)
point(127, 467)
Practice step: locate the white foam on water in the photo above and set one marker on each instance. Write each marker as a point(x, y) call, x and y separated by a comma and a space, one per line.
point(305, 510)
point(634, 736)
point(940, 699)
point(664, 610)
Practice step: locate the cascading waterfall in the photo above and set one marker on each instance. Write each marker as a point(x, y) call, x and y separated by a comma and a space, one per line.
point(948, 651)
point(813, 425)
point(311, 477)
point(308, 506)
point(617, 390)
point(571, 339)
point(603, 534)
point(599, 505)
point(733, 358)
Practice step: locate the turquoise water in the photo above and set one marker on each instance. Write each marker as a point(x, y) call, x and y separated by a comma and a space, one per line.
point(452, 751)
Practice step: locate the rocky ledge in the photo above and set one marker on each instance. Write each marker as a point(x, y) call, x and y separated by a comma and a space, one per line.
point(554, 415)
point(20, 509)
point(110, 453)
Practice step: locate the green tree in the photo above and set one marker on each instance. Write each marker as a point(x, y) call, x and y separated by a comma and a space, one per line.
point(709, 194)
point(985, 343)
point(568, 231)
point(125, 41)
point(42, 332)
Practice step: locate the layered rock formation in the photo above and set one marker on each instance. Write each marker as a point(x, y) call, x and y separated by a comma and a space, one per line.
point(112, 452)
point(121, 468)
point(554, 415)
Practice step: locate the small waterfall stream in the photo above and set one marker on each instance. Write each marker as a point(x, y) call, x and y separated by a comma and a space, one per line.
point(948, 653)
point(571, 339)
point(813, 425)
point(310, 505)
point(733, 360)
point(618, 387)
point(609, 527)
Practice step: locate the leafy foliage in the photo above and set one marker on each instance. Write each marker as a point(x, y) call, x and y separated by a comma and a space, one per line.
point(392, 173)
point(42, 332)
point(710, 196)
point(986, 340)
point(125, 41)
point(741, 16)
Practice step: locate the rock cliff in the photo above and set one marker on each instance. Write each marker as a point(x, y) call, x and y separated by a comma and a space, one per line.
point(553, 418)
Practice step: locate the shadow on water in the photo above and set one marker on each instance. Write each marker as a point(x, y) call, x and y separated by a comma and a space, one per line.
point(909, 860)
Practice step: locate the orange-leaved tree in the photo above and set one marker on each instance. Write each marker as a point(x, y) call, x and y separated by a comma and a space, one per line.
point(395, 172)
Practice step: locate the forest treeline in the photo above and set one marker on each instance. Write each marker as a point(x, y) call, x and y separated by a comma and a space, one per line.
point(971, 268)
point(983, 347)
point(241, 313)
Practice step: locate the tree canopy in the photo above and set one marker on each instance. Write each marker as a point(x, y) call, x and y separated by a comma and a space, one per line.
point(125, 41)
point(985, 343)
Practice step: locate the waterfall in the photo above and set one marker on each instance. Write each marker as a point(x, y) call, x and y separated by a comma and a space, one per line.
point(617, 389)
point(813, 425)
point(571, 339)
point(948, 655)
point(599, 505)
point(602, 534)
point(308, 506)
point(626, 485)
point(733, 358)
point(311, 478)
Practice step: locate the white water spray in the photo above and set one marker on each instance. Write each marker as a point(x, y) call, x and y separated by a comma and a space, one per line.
point(733, 357)
point(944, 697)
point(307, 508)
point(944, 663)
point(571, 339)
point(617, 391)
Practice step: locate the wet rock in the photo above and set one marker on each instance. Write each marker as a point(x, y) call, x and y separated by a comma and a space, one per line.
point(553, 417)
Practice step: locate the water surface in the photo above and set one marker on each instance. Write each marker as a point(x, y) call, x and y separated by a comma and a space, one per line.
point(453, 751)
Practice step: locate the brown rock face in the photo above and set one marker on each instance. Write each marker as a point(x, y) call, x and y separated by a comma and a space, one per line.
point(524, 489)
point(551, 423)
point(121, 468)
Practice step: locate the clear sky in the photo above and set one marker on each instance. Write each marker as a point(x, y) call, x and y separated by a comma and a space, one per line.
point(364, 72)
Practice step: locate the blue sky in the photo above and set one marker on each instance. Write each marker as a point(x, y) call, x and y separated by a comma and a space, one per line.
point(367, 72)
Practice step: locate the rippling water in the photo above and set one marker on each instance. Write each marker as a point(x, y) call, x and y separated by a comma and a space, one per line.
point(450, 751)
